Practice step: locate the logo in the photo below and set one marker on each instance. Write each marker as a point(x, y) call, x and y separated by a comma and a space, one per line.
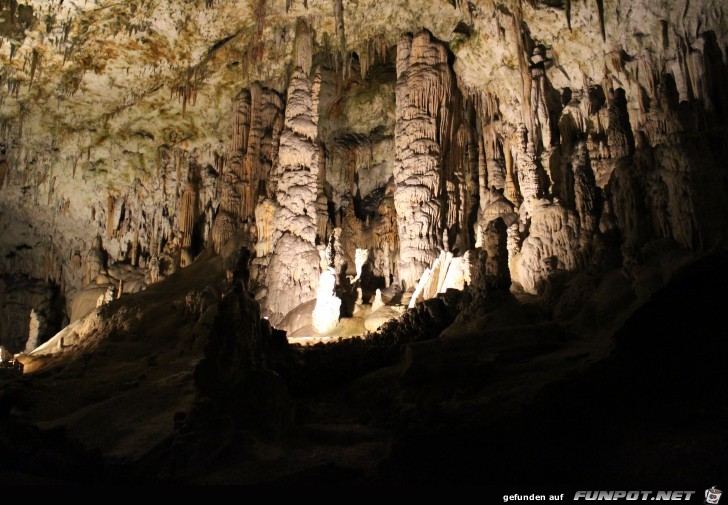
point(712, 495)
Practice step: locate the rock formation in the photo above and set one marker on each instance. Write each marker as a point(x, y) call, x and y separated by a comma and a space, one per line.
point(425, 86)
point(596, 136)
point(34, 331)
point(293, 268)
point(446, 272)
point(188, 213)
point(326, 313)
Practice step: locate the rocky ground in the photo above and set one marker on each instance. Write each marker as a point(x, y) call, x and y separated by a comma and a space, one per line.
point(158, 394)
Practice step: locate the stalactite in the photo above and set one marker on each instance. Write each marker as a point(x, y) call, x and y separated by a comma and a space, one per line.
point(322, 202)
point(493, 161)
point(110, 212)
point(186, 91)
point(457, 191)
point(341, 36)
point(567, 9)
point(472, 183)
point(540, 116)
point(259, 14)
point(695, 63)
point(600, 11)
point(584, 189)
point(256, 126)
point(4, 169)
point(135, 249)
point(619, 132)
point(34, 66)
point(188, 213)
point(241, 122)
point(527, 170)
point(304, 46)
point(264, 215)
point(511, 187)
point(482, 175)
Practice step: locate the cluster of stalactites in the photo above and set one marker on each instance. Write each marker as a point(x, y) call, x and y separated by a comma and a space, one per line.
point(257, 123)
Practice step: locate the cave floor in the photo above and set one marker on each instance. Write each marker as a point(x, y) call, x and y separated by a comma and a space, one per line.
point(488, 402)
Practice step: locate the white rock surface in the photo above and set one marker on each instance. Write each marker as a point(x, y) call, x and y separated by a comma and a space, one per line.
point(326, 313)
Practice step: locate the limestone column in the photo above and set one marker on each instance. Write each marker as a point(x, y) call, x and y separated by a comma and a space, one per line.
point(423, 124)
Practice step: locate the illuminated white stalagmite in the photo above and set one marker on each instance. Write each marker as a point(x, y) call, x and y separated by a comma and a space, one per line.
point(326, 313)
point(33, 331)
point(378, 303)
point(360, 259)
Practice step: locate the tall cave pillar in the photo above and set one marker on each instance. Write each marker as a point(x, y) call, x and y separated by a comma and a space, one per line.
point(423, 125)
point(293, 272)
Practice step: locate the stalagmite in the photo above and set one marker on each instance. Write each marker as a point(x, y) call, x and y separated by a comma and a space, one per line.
point(513, 244)
point(378, 303)
point(107, 297)
point(359, 300)
point(328, 305)
point(154, 269)
point(36, 322)
point(499, 206)
point(360, 259)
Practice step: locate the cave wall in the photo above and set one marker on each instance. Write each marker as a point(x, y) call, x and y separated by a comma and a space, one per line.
point(164, 128)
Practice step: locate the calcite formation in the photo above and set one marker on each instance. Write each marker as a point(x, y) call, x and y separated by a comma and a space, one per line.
point(425, 85)
point(293, 269)
point(446, 272)
point(34, 331)
point(328, 305)
point(136, 136)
